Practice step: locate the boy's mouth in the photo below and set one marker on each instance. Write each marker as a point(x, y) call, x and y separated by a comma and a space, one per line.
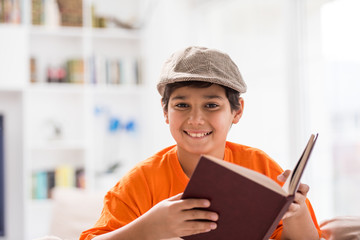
point(197, 135)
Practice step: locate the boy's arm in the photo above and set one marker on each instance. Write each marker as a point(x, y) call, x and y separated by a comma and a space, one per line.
point(297, 221)
point(170, 218)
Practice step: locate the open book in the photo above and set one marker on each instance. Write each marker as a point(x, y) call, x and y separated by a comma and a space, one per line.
point(250, 205)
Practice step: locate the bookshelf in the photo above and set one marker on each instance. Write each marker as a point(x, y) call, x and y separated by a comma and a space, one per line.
point(79, 96)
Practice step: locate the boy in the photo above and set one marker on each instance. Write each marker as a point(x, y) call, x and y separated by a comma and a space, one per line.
point(200, 91)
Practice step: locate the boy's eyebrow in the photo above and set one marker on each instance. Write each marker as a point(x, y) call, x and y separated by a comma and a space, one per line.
point(213, 96)
point(183, 97)
point(178, 97)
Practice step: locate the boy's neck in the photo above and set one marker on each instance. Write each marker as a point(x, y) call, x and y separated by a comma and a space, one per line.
point(188, 161)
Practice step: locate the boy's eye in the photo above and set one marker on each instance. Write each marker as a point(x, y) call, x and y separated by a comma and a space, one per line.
point(211, 105)
point(181, 105)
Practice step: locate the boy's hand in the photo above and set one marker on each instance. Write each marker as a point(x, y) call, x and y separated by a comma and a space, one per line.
point(176, 217)
point(299, 204)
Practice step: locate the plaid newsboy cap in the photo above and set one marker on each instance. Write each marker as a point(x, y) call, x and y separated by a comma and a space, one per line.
point(201, 64)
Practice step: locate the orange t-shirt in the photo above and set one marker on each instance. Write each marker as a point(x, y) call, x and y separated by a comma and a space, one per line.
point(160, 177)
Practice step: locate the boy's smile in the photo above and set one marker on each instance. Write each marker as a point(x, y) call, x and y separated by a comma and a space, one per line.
point(199, 120)
point(197, 134)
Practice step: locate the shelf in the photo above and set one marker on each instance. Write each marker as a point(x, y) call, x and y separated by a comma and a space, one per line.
point(58, 145)
point(83, 88)
point(55, 88)
point(9, 88)
point(100, 33)
point(87, 125)
point(11, 26)
point(57, 31)
point(115, 33)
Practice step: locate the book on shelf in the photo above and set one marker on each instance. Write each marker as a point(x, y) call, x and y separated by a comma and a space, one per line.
point(10, 11)
point(72, 71)
point(56, 12)
point(33, 67)
point(102, 70)
point(37, 12)
point(75, 71)
point(65, 176)
point(114, 71)
point(250, 204)
point(45, 12)
point(43, 181)
point(41, 190)
point(71, 12)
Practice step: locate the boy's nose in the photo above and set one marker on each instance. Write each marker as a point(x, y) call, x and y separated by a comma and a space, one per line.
point(196, 117)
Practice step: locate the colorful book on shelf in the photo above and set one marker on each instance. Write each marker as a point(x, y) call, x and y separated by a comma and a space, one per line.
point(75, 71)
point(41, 183)
point(37, 12)
point(250, 205)
point(65, 176)
point(10, 11)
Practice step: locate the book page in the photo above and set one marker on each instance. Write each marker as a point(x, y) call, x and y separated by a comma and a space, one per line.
point(250, 174)
point(293, 181)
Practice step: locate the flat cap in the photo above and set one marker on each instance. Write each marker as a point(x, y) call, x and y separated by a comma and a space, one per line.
point(201, 64)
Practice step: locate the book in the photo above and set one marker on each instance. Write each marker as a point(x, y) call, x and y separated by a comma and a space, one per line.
point(71, 12)
point(37, 12)
point(41, 190)
point(65, 176)
point(250, 205)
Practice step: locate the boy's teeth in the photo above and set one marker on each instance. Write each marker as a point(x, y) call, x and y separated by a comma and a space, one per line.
point(198, 134)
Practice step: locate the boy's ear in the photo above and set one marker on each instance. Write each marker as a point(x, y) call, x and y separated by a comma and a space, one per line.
point(165, 113)
point(239, 112)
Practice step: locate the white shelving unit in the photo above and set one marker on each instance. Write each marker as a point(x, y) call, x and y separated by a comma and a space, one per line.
point(86, 126)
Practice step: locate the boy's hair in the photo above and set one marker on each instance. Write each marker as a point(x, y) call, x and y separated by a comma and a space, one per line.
point(231, 94)
point(203, 65)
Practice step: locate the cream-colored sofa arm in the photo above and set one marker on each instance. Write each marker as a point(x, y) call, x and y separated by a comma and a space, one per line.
point(341, 228)
point(74, 210)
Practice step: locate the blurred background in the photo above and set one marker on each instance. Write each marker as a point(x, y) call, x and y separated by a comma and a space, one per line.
point(79, 105)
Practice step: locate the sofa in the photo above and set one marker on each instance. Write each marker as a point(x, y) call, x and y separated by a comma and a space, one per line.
point(75, 210)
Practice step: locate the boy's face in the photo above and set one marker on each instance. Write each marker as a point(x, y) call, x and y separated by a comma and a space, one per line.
point(200, 118)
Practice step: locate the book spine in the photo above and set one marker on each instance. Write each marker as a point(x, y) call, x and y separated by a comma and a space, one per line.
point(282, 210)
point(36, 12)
point(64, 176)
point(1, 11)
point(41, 191)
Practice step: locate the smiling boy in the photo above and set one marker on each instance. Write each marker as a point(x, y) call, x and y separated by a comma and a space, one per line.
point(200, 91)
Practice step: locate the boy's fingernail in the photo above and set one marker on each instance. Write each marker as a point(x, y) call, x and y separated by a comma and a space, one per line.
point(213, 226)
point(214, 217)
point(206, 203)
point(281, 178)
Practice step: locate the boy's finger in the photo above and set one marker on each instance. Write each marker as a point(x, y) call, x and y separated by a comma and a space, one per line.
point(283, 176)
point(303, 189)
point(191, 203)
point(195, 227)
point(196, 214)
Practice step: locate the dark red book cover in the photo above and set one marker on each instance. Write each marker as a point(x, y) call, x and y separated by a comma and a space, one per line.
point(246, 209)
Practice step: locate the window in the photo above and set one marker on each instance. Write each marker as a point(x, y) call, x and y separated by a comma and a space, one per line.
point(341, 51)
